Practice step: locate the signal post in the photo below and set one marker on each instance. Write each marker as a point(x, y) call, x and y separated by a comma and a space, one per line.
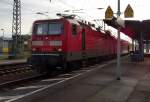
point(108, 16)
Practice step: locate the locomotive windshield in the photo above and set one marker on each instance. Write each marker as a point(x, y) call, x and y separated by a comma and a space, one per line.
point(41, 29)
point(49, 29)
point(55, 28)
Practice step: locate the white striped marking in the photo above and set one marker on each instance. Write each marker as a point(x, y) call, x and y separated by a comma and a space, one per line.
point(55, 79)
point(30, 87)
point(9, 97)
point(48, 86)
point(65, 74)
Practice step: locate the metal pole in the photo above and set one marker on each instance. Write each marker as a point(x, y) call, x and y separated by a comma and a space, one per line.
point(118, 70)
point(132, 45)
point(141, 46)
point(2, 38)
point(16, 28)
point(146, 46)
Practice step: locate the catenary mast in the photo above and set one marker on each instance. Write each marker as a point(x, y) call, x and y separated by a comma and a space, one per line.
point(16, 28)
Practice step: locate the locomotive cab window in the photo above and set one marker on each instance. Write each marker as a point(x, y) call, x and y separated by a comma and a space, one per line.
point(41, 29)
point(74, 29)
point(55, 29)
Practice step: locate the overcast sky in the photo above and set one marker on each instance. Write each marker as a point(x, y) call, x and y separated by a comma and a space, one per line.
point(30, 7)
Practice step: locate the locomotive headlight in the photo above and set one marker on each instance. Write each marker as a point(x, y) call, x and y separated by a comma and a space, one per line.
point(33, 49)
point(59, 49)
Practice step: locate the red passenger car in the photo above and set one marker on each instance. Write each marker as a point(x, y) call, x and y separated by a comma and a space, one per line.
point(58, 43)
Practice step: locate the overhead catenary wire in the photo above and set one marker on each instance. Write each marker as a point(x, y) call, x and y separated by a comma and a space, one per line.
point(78, 9)
point(29, 10)
point(66, 4)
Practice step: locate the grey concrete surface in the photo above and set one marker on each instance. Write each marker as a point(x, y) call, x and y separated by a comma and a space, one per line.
point(102, 86)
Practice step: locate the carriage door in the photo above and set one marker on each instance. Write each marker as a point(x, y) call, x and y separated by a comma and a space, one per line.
point(83, 39)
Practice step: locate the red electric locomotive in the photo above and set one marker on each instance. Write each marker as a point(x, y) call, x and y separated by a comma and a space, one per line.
point(58, 43)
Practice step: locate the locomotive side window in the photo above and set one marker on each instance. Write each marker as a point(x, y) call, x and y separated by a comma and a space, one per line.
point(41, 29)
point(74, 29)
point(55, 29)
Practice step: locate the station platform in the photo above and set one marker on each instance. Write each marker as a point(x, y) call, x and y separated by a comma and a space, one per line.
point(102, 86)
point(10, 62)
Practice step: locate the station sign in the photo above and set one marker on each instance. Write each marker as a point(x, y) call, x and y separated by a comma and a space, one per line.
point(109, 13)
point(128, 12)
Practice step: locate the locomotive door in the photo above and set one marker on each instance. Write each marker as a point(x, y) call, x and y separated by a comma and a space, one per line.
point(83, 39)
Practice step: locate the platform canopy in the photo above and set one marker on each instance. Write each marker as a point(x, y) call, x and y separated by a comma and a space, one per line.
point(133, 28)
point(146, 29)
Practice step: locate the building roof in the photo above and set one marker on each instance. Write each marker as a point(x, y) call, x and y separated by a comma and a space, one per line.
point(133, 28)
point(5, 38)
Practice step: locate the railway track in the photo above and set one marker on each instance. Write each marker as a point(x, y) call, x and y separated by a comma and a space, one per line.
point(20, 73)
point(16, 73)
point(18, 81)
point(13, 69)
point(23, 88)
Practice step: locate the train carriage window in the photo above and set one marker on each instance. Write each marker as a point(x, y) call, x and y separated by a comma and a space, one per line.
point(41, 29)
point(74, 29)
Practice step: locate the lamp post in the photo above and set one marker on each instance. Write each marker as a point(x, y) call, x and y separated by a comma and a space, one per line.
point(118, 69)
point(3, 37)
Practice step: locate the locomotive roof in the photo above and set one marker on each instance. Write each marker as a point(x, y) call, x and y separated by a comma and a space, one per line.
point(74, 21)
point(61, 19)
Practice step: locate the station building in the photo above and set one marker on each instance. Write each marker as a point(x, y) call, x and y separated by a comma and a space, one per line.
point(5, 44)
